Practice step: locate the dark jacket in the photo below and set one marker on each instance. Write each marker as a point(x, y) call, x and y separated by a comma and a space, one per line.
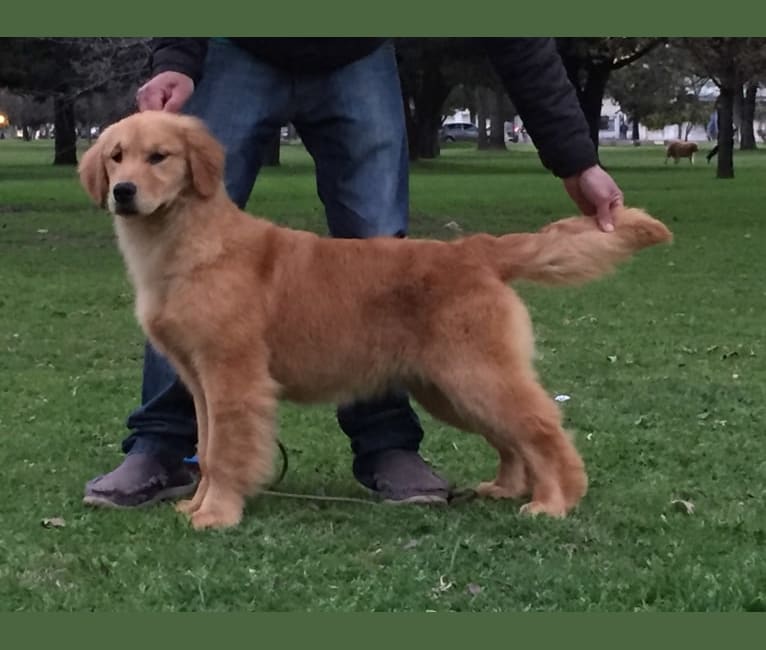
point(530, 68)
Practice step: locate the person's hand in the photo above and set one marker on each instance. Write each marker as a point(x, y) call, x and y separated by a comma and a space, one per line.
point(167, 91)
point(596, 194)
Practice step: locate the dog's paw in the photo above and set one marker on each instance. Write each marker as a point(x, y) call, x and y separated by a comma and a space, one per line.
point(543, 508)
point(204, 518)
point(186, 506)
point(492, 490)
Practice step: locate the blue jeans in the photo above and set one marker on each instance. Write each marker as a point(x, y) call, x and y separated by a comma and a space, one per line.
point(352, 123)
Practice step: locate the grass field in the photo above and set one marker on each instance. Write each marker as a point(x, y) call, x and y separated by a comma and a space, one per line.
point(664, 363)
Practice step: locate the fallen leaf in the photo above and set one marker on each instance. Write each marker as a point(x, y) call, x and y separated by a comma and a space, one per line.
point(53, 522)
point(612, 358)
point(442, 586)
point(474, 589)
point(683, 506)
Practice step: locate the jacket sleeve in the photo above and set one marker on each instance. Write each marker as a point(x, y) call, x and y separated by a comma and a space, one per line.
point(184, 55)
point(536, 81)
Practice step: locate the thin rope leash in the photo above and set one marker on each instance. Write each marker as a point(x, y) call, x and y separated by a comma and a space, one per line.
point(306, 497)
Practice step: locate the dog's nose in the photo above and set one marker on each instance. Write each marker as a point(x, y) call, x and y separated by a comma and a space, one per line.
point(124, 192)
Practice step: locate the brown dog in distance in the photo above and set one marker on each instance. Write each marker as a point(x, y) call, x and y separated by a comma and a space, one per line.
point(679, 149)
point(249, 312)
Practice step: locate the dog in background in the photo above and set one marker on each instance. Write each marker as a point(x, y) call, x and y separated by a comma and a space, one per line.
point(679, 149)
point(249, 312)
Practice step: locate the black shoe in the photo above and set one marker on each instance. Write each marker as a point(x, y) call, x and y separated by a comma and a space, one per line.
point(140, 480)
point(401, 476)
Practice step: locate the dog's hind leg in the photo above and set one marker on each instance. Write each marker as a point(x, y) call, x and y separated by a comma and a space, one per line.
point(511, 471)
point(241, 442)
point(491, 385)
point(523, 424)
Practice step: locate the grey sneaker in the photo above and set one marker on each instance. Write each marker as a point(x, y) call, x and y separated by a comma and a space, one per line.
point(401, 476)
point(140, 480)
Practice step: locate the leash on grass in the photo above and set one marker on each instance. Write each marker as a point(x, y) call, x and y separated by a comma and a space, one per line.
point(456, 496)
point(306, 497)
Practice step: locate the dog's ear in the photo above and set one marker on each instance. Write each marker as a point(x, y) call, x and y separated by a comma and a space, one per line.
point(93, 173)
point(206, 158)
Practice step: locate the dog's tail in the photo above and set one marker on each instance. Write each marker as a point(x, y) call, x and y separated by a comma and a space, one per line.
point(570, 251)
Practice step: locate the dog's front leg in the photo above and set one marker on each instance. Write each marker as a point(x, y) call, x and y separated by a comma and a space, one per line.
point(238, 454)
point(189, 506)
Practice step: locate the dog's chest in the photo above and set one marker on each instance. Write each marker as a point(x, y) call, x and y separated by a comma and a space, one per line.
point(147, 264)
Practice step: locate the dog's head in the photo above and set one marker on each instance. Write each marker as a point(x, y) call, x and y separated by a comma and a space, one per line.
point(144, 163)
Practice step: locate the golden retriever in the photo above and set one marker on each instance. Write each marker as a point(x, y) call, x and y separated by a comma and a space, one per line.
point(679, 149)
point(249, 312)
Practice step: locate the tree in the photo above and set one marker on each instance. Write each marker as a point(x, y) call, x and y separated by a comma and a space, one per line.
point(589, 63)
point(747, 131)
point(25, 111)
point(424, 91)
point(730, 62)
point(65, 69)
point(662, 88)
point(429, 68)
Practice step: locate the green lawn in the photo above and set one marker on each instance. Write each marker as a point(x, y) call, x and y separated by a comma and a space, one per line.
point(664, 363)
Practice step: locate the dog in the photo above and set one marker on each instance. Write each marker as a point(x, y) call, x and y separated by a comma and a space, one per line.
point(679, 149)
point(248, 313)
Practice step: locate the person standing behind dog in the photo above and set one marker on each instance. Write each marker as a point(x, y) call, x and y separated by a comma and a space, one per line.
point(344, 98)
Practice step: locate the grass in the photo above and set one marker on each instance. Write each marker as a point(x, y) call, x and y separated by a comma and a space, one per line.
point(663, 363)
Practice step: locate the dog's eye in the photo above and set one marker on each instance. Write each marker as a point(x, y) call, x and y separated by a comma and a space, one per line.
point(117, 157)
point(156, 157)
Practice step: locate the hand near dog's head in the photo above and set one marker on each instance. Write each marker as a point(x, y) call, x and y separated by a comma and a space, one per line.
point(167, 91)
point(143, 164)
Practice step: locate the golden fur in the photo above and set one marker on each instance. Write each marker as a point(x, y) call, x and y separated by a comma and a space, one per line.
point(249, 312)
point(679, 149)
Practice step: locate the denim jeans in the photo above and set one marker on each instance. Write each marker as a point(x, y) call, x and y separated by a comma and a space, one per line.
point(352, 123)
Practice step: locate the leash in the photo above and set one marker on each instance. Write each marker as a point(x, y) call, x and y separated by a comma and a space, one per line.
point(306, 497)
point(454, 496)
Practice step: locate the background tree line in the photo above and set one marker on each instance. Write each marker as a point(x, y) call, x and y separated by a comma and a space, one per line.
point(78, 82)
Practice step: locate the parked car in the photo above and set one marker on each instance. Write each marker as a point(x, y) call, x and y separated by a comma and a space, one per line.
point(455, 131)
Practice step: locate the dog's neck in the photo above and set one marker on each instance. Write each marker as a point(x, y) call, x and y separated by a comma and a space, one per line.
point(156, 246)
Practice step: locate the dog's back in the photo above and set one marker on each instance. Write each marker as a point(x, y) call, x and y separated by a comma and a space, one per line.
point(680, 149)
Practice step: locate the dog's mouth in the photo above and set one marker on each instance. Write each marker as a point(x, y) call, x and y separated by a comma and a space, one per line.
point(126, 210)
point(130, 210)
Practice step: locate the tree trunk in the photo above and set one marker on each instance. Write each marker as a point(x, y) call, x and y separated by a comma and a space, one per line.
point(747, 132)
point(636, 136)
point(738, 105)
point(271, 154)
point(66, 137)
point(496, 122)
point(592, 98)
point(26, 132)
point(482, 110)
point(726, 131)
point(424, 95)
point(427, 140)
